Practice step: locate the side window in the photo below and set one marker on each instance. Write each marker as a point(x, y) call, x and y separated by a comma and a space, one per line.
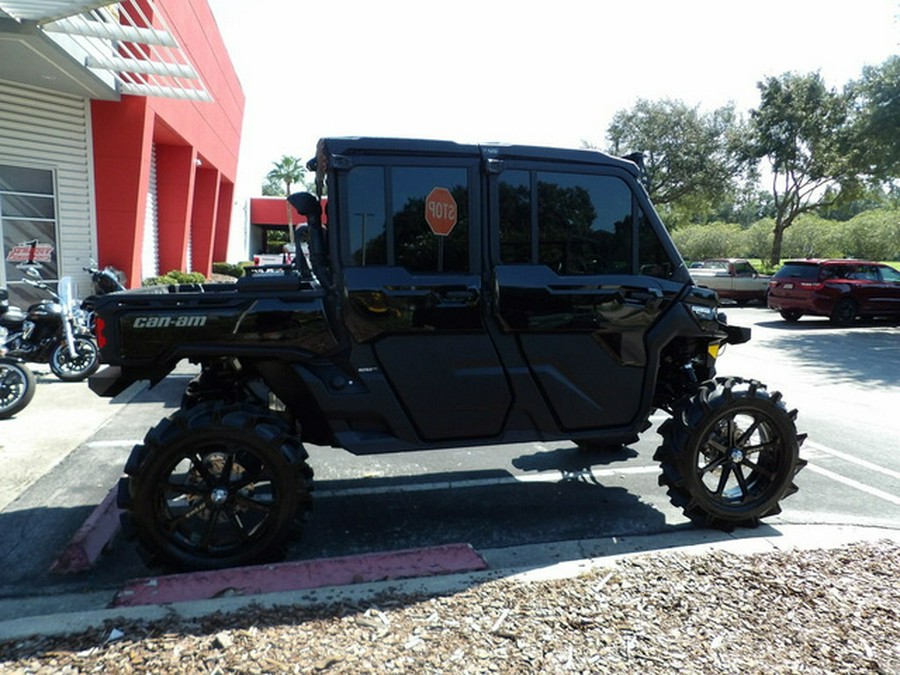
point(890, 274)
point(414, 217)
point(367, 227)
point(584, 224)
point(515, 217)
point(653, 260)
point(424, 198)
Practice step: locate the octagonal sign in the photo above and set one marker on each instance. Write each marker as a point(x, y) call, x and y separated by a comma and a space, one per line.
point(440, 211)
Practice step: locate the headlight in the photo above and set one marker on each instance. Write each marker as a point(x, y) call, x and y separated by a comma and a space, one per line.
point(704, 313)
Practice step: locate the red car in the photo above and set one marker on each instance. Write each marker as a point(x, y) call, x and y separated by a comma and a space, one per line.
point(842, 290)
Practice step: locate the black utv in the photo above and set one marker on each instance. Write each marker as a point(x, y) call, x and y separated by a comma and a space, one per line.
point(445, 295)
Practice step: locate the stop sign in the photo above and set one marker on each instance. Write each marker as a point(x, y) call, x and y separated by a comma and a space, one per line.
point(440, 211)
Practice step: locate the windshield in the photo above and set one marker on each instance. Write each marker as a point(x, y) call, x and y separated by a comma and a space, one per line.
point(66, 293)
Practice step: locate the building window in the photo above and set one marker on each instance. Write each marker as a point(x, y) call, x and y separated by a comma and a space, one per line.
point(28, 222)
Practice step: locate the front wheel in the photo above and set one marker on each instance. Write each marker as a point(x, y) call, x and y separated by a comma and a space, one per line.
point(17, 386)
point(730, 454)
point(70, 368)
point(215, 486)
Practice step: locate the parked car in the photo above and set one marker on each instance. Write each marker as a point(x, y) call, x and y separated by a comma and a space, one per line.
point(842, 290)
point(732, 278)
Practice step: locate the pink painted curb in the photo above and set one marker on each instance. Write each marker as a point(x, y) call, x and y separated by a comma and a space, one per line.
point(299, 575)
point(91, 538)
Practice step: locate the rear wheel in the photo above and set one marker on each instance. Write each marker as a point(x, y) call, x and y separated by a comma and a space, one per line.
point(17, 386)
point(790, 315)
point(216, 486)
point(730, 454)
point(844, 312)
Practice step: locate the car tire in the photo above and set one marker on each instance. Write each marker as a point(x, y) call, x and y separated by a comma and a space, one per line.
point(844, 312)
point(790, 315)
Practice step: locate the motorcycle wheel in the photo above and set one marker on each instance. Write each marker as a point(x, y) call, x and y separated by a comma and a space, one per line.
point(84, 364)
point(17, 386)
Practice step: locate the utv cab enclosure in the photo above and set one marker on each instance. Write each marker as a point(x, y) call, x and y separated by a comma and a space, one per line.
point(447, 295)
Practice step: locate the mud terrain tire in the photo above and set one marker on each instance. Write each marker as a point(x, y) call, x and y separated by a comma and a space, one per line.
point(215, 486)
point(729, 454)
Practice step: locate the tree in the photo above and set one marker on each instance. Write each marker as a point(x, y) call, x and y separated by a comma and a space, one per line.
point(877, 118)
point(287, 171)
point(804, 131)
point(691, 160)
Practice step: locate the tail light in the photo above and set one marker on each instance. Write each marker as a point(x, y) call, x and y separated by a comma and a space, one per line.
point(99, 327)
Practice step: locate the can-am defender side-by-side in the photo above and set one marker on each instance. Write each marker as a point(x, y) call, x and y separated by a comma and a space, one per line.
point(445, 296)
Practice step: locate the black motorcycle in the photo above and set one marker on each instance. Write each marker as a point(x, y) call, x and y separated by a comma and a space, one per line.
point(16, 381)
point(51, 331)
point(104, 281)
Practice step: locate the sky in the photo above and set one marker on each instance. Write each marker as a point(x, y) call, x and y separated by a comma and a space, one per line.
point(538, 73)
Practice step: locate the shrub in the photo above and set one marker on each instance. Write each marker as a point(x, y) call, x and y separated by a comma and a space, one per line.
point(235, 270)
point(175, 277)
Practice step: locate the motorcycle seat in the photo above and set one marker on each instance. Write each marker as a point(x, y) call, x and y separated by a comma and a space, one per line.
point(11, 314)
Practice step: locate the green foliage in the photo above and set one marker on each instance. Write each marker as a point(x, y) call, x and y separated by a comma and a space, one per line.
point(805, 132)
point(814, 237)
point(877, 117)
point(175, 277)
point(286, 172)
point(715, 240)
point(235, 270)
point(690, 158)
point(873, 235)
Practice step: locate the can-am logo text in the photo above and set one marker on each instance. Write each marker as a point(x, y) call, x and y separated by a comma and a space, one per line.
point(184, 321)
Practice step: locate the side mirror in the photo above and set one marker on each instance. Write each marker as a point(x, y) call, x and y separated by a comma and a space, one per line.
point(307, 205)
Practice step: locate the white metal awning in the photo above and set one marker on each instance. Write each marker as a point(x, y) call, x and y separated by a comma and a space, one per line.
point(128, 41)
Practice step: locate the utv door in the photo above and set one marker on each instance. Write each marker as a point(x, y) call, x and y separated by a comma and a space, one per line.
point(414, 297)
point(579, 278)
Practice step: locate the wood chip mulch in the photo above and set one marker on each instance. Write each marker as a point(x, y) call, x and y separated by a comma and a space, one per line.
point(820, 611)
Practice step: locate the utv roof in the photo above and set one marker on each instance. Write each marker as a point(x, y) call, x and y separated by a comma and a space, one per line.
point(330, 147)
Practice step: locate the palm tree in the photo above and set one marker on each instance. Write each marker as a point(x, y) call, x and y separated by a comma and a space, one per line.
point(288, 170)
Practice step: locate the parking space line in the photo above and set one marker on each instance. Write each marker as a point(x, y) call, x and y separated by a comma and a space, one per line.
point(541, 477)
point(893, 499)
point(855, 460)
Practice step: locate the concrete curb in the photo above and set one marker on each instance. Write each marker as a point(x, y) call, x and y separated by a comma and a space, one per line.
point(91, 538)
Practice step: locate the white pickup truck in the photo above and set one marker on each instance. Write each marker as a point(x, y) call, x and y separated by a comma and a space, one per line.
point(286, 257)
point(732, 278)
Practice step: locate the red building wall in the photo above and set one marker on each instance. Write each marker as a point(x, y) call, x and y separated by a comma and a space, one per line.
point(196, 149)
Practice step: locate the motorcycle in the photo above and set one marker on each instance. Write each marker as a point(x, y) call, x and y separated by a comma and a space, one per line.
point(52, 331)
point(104, 281)
point(17, 383)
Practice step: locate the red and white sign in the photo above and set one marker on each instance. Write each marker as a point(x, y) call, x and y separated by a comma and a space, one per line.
point(440, 211)
point(26, 253)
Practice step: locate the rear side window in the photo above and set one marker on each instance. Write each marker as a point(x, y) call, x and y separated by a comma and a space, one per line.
point(890, 274)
